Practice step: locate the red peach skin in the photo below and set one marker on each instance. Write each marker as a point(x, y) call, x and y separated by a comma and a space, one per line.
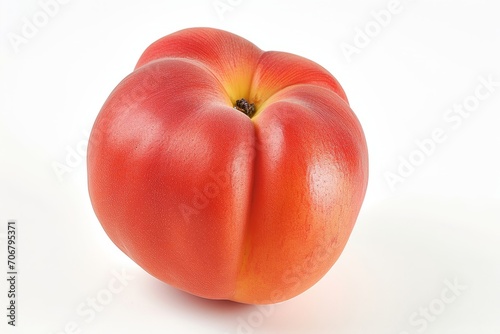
point(214, 202)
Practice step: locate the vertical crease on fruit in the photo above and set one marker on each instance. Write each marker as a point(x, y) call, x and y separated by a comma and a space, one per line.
point(246, 245)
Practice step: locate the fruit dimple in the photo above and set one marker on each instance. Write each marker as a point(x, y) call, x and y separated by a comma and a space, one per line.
point(245, 107)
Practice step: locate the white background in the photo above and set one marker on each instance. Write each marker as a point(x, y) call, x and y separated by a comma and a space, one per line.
point(438, 226)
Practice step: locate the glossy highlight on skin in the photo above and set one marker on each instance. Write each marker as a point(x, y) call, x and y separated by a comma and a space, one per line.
point(216, 202)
